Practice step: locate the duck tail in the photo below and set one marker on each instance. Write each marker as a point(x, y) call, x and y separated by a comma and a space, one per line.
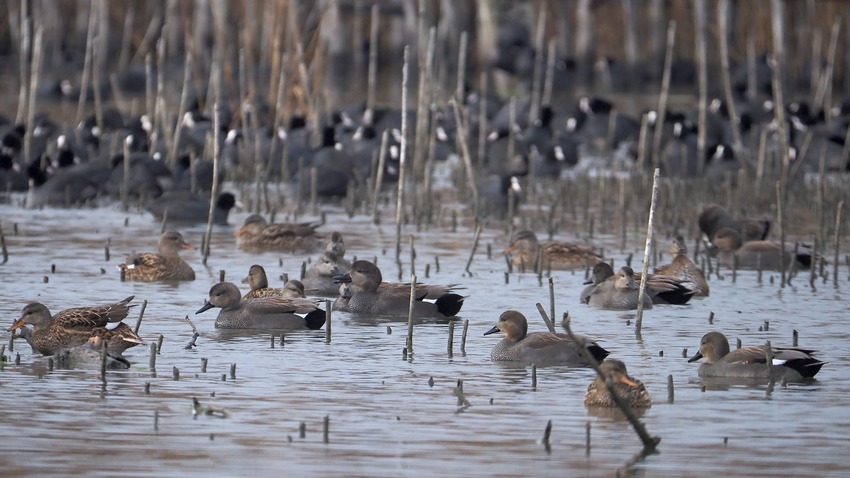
point(449, 304)
point(597, 351)
point(315, 319)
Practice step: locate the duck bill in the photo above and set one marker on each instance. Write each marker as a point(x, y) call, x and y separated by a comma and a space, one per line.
point(187, 247)
point(207, 306)
point(628, 381)
point(587, 282)
point(246, 280)
point(696, 357)
point(342, 279)
point(492, 331)
point(17, 325)
point(510, 249)
point(241, 232)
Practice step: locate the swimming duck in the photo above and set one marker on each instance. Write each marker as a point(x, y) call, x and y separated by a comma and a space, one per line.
point(184, 207)
point(367, 295)
point(71, 327)
point(715, 217)
point(618, 292)
point(336, 245)
point(751, 362)
point(627, 388)
point(259, 284)
point(163, 266)
point(541, 348)
point(258, 235)
point(731, 248)
point(683, 269)
point(319, 278)
point(525, 248)
point(263, 312)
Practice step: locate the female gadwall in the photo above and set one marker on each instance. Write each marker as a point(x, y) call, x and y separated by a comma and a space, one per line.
point(683, 269)
point(715, 217)
point(751, 362)
point(541, 348)
point(616, 292)
point(336, 245)
point(258, 235)
point(73, 327)
point(319, 278)
point(733, 251)
point(367, 295)
point(259, 284)
point(626, 387)
point(525, 250)
point(261, 313)
point(163, 266)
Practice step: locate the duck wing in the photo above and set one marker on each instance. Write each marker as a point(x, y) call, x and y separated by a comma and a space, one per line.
point(274, 305)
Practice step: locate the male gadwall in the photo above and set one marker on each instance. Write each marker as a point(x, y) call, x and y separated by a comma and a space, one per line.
point(319, 278)
point(258, 235)
point(626, 387)
point(163, 266)
point(733, 251)
point(683, 269)
point(525, 250)
point(541, 348)
point(715, 217)
point(263, 312)
point(259, 284)
point(73, 327)
point(751, 362)
point(367, 295)
point(621, 291)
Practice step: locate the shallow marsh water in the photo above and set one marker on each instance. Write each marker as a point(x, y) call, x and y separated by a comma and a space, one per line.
point(385, 419)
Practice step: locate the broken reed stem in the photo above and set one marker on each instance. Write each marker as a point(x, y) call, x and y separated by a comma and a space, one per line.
point(217, 113)
point(141, 315)
point(649, 442)
point(3, 248)
point(723, 37)
point(837, 241)
point(646, 251)
point(402, 155)
point(665, 89)
point(474, 247)
point(450, 345)
point(463, 336)
point(152, 360)
point(551, 297)
point(781, 229)
point(328, 310)
point(373, 65)
point(549, 324)
point(409, 345)
point(379, 175)
point(467, 161)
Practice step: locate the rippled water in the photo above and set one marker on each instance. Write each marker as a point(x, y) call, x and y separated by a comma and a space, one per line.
point(384, 417)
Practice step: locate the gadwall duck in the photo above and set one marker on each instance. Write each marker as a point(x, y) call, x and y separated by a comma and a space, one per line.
point(621, 291)
point(367, 295)
point(525, 250)
point(336, 245)
point(751, 362)
point(261, 313)
point(626, 387)
point(715, 217)
point(258, 235)
point(683, 269)
point(259, 284)
point(89, 354)
point(186, 207)
point(732, 251)
point(541, 348)
point(319, 278)
point(70, 328)
point(163, 266)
